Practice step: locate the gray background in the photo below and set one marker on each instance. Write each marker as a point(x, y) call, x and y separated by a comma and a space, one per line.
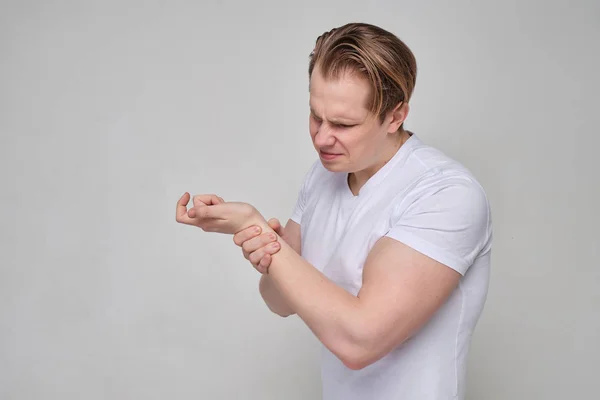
point(110, 110)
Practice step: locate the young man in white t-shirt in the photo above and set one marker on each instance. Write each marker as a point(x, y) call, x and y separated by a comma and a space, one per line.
point(386, 256)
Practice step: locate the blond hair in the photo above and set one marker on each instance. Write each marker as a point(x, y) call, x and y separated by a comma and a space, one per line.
point(376, 54)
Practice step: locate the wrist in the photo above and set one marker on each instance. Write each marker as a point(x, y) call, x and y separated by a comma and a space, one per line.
point(258, 220)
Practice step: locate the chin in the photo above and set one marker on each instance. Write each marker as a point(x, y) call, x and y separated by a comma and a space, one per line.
point(336, 166)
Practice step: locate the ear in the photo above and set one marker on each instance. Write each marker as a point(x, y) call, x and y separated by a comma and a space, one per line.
point(398, 116)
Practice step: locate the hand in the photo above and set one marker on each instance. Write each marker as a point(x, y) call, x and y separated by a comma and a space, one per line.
point(212, 214)
point(258, 248)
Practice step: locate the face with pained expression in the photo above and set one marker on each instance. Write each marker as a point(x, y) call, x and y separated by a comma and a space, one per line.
point(347, 136)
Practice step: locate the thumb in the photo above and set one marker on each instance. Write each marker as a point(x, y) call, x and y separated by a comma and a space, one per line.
point(276, 226)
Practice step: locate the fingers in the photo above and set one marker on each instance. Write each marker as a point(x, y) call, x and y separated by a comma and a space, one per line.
point(264, 264)
point(185, 216)
point(258, 248)
point(207, 211)
point(256, 243)
point(207, 200)
point(246, 234)
point(256, 256)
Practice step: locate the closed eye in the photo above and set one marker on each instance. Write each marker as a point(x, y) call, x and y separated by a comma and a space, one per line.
point(340, 126)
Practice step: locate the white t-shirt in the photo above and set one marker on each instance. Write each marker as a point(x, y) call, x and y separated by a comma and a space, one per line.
point(433, 204)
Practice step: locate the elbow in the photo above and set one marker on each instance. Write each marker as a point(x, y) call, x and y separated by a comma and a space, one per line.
point(353, 347)
point(281, 309)
point(357, 355)
point(281, 313)
point(356, 365)
point(357, 360)
point(275, 303)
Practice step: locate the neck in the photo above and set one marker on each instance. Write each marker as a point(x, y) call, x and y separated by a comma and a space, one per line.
point(356, 180)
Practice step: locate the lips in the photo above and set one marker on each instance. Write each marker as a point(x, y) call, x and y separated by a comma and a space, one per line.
point(328, 156)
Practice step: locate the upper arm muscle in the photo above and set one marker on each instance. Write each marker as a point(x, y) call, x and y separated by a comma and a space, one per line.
point(401, 291)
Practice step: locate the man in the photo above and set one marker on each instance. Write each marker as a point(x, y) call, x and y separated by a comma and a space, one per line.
point(386, 256)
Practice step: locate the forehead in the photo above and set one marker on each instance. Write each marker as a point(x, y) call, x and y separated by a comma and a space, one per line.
point(346, 95)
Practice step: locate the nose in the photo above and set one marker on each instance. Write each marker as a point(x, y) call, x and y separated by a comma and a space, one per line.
point(324, 137)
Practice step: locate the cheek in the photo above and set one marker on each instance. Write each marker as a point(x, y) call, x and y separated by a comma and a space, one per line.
point(363, 138)
point(364, 143)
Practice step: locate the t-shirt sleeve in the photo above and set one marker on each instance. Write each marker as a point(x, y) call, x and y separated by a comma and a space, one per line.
point(303, 194)
point(450, 224)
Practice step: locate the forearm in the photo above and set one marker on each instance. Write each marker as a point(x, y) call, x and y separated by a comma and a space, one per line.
point(333, 314)
point(273, 298)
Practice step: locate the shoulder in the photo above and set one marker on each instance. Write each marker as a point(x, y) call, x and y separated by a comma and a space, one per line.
point(449, 200)
point(445, 212)
point(438, 176)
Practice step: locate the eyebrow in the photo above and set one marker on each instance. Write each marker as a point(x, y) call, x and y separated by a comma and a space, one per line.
point(338, 120)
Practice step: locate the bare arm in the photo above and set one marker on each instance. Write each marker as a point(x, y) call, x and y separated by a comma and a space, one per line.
point(269, 292)
point(258, 249)
point(402, 288)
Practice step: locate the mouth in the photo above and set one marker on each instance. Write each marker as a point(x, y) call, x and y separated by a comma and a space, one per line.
point(328, 156)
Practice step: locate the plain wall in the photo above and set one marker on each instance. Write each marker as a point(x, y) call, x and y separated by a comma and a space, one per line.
point(110, 110)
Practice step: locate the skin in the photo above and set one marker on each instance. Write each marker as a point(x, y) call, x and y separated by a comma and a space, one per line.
point(401, 288)
point(340, 124)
